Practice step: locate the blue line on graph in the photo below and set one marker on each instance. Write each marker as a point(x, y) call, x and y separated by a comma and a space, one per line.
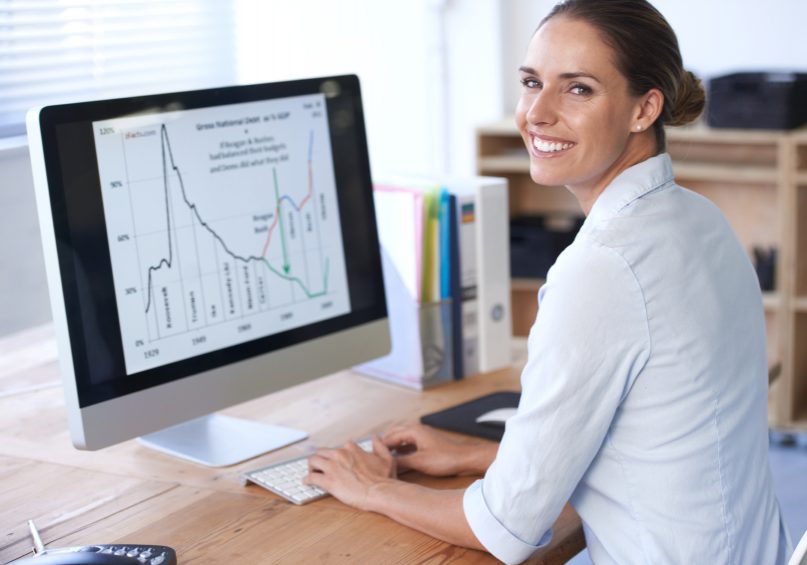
point(310, 151)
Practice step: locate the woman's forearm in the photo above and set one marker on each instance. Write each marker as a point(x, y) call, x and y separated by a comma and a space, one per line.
point(437, 513)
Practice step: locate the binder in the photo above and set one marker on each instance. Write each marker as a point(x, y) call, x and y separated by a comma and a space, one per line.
point(445, 255)
point(484, 244)
point(399, 211)
point(420, 319)
point(453, 286)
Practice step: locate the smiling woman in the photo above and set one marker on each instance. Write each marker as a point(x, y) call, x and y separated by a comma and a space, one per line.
point(605, 106)
point(644, 397)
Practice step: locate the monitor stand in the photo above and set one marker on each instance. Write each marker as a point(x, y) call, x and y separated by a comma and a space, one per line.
point(218, 441)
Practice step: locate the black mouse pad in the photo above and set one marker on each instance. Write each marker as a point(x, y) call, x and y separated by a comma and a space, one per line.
point(462, 417)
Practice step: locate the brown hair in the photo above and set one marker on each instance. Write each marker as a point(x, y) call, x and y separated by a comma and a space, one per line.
point(647, 55)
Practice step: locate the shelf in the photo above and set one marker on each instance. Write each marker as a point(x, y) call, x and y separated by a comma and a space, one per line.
point(526, 284)
point(771, 301)
point(725, 173)
point(510, 163)
point(794, 427)
point(800, 304)
point(741, 174)
point(700, 132)
point(506, 127)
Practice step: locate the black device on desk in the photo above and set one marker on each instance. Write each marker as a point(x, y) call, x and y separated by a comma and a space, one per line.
point(99, 554)
point(465, 418)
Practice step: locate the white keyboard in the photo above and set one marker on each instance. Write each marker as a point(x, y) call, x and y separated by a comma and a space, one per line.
point(286, 478)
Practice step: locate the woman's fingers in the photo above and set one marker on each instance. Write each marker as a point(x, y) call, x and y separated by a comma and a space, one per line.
point(319, 472)
point(411, 436)
point(397, 436)
point(380, 448)
point(319, 461)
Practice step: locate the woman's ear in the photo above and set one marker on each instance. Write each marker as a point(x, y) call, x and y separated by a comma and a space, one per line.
point(648, 109)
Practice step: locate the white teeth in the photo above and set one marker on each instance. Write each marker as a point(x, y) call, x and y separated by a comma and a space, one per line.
point(546, 147)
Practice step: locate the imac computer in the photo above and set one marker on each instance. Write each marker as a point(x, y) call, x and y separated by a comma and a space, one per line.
point(203, 249)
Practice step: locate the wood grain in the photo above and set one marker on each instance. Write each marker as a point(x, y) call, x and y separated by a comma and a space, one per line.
point(130, 494)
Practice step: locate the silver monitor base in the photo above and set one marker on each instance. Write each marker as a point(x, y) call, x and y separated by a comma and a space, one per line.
point(218, 441)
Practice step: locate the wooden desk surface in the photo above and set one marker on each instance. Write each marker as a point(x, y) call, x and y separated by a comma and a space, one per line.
point(129, 493)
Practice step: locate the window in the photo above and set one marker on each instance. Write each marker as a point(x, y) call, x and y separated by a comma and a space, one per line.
point(54, 51)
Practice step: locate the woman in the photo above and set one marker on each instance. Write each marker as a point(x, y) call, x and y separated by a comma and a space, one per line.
point(644, 398)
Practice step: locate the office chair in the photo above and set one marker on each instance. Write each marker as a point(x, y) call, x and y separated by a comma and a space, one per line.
point(799, 556)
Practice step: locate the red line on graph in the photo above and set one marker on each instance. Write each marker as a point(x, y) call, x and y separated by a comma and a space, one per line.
point(310, 186)
point(300, 207)
point(269, 234)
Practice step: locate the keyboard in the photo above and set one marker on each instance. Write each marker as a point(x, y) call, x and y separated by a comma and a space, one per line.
point(286, 477)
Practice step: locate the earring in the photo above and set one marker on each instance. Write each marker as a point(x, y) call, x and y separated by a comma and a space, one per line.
point(638, 128)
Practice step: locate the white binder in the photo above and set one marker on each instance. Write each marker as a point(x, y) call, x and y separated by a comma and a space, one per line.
point(485, 271)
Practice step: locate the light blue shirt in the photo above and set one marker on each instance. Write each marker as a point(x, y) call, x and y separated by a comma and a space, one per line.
point(644, 398)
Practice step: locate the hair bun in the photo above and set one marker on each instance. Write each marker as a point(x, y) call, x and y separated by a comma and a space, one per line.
point(689, 100)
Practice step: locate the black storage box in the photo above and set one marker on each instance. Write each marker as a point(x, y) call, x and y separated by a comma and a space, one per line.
point(774, 100)
point(536, 242)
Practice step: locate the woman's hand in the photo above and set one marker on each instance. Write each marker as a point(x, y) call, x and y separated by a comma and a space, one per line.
point(424, 449)
point(350, 473)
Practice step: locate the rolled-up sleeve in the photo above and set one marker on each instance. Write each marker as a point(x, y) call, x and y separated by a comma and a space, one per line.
point(588, 344)
point(499, 541)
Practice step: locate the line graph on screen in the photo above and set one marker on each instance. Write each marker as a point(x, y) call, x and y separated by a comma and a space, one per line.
point(221, 229)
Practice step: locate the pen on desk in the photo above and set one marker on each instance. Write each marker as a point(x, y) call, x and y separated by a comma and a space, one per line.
point(39, 547)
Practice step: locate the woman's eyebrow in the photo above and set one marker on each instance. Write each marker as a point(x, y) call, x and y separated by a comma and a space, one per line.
point(579, 74)
point(565, 76)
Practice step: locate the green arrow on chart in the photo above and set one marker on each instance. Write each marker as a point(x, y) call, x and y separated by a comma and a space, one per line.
point(286, 265)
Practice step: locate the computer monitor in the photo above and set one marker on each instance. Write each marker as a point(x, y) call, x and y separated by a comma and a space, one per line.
point(203, 249)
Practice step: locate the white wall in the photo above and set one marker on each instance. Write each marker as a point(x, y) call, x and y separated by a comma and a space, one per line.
point(23, 289)
point(429, 69)
point(715, 36)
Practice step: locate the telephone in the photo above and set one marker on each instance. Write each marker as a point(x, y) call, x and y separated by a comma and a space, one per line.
point(99, 554)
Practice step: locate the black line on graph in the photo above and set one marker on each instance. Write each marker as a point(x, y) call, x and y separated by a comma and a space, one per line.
point(165, 144)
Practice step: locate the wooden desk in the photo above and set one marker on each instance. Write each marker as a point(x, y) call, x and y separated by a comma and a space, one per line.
point(128, 493)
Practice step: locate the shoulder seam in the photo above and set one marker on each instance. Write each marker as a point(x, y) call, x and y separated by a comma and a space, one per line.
point(596, 242)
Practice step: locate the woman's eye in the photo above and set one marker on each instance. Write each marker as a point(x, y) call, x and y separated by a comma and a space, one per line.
point(530, 83)
point(580, 89)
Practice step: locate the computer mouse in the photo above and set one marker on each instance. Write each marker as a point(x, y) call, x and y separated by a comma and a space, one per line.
point(496, 418)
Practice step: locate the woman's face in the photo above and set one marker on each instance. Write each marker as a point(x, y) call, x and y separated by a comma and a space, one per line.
point(575, 113)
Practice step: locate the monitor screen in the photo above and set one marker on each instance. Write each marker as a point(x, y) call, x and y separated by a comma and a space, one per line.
point(188, 233)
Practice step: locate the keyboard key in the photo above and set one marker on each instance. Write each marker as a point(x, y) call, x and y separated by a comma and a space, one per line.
point(286, 478)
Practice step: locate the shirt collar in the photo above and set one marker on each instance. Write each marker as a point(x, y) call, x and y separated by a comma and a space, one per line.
point(630, 185)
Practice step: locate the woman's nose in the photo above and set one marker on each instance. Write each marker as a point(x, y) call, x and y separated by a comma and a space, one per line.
point(542, 108)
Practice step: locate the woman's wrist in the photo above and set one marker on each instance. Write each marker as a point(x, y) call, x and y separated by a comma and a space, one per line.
point(379, 495)
point(477, 457)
